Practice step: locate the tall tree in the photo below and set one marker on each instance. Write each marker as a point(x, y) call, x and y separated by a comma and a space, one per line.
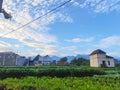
point(80, 62)
point(64, 59)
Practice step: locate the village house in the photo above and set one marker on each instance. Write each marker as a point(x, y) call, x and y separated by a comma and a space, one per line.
point(40, 60)
point(21, 60)
point(11, 59)
point(8, 59)
point(37, 61)
point(47, 60)
point(98, 58)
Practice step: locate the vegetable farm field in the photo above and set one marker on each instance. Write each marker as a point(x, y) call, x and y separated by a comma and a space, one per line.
point(55, 71)
point(68, 83)
point(59, 78)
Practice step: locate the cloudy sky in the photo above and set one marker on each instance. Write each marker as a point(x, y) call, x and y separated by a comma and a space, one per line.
point(79, 27)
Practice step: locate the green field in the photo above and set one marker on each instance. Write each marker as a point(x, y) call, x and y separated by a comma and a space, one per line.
point(59, 78)
point(68, 83)
point(55, 71)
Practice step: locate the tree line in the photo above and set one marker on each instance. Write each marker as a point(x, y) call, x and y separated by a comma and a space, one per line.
point(76, 61)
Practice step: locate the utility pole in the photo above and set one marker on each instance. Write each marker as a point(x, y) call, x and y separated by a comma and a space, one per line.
point(29, 58)
point(3, 58)
point(16, 57)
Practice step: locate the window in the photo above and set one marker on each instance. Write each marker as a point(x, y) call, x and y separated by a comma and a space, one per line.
point(109, 63)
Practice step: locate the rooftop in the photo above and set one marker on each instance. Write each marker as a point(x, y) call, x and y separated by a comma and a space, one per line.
point(98, 51)
point(109, 56)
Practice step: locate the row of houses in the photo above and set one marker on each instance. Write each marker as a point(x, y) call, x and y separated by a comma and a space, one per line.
point(13, 59)
point(98, 58)
point(44, 60)
point(40, 60)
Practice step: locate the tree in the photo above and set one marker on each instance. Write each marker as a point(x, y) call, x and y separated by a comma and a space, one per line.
point(64, 59)
point(80, 62)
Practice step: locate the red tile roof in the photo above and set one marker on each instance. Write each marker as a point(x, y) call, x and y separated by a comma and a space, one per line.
point(98, 51)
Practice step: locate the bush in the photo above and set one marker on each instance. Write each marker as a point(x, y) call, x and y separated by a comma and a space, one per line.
point(52, 72)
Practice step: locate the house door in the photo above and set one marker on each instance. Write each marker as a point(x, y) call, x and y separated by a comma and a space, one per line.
point(104, 64)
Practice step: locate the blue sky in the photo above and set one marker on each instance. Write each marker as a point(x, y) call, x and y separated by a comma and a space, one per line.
point(77, 28)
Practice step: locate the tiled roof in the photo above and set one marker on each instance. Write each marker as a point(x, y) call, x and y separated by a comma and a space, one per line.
point(47, 58)
point(109, 57)
point(37, 58)
point(98, 51)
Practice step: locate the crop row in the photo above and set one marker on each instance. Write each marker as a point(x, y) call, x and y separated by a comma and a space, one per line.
point(68, 83)
point(52, 72)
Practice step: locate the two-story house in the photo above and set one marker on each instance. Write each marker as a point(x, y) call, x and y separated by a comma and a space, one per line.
point(98, 58)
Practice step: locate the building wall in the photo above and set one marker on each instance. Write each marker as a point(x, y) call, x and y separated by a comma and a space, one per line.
point(1, 59)
point(97, 60)
point(46, 60)
point(21, 60)
point(8, 59)
point(110, 62)
point(101, 58)
point(94, 61)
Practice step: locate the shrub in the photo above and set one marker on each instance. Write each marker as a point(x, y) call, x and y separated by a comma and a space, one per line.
point(52, 72)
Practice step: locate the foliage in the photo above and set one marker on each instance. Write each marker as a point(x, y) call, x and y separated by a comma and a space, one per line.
point(117, 65)
point(80, 62)
point(64, 59)
point(112, 71)
point(69, 83)
point(19, 72)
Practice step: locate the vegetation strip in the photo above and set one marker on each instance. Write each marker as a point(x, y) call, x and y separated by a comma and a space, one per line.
point(68, 83)
point(52, 72)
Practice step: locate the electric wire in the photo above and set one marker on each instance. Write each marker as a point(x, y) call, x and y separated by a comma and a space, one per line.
point(49, 12)
point(54, 9)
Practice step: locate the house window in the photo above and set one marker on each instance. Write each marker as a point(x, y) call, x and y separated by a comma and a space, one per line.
point(109, 63)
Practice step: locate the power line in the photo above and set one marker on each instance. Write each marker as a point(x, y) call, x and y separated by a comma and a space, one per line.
point(36, 18)
point(51, 11)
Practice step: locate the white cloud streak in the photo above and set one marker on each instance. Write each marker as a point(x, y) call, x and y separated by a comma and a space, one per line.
point(5, 46)
point(99, 5)
point(109, 41)
point(70, 48)
point(36, 34)
point(78, 40)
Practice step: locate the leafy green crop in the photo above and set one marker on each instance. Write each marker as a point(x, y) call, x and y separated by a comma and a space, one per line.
point(67, 83)
point(52, 72)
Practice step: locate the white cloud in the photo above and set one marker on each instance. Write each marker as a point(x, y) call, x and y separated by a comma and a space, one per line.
point(78, 40)
point(65, 18)
point(5, 47)
point(110, 41)
point(17, 46)
point(87, 51)
point(99, 5)
point(50, 50)
point(36, 34)
point(114, 53)
point(71, 48)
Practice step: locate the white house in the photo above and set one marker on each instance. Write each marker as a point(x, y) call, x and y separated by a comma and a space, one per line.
point(98, 58)
point(11, 59)
point(47, 60)
point(40, 60)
